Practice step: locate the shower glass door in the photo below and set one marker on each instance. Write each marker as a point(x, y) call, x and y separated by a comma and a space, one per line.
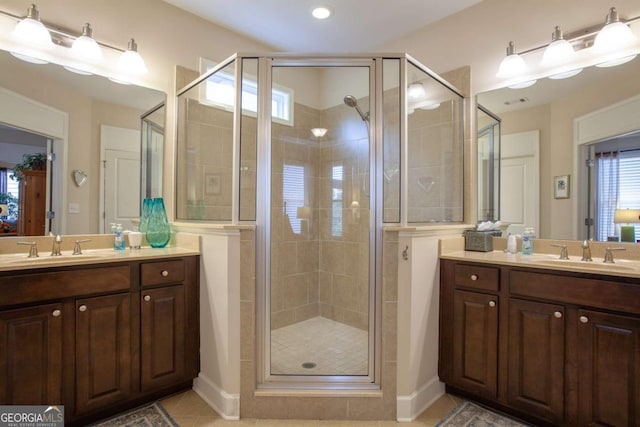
point(320, 287)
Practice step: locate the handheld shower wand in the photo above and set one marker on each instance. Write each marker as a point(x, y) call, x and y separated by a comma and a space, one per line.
point(351, 101)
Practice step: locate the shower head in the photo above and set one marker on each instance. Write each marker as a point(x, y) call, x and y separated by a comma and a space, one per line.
point(352, 102)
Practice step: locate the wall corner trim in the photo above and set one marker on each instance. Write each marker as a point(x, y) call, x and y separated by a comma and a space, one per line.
point(227, 405)
point(409, 407)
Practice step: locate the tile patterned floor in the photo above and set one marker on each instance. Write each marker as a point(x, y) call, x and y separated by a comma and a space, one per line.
point(189, 410)
point(335, 348)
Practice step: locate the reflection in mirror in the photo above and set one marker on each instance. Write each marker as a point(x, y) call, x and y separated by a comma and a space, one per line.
point(488, 165)
point(75, 114)
point(568, 116)
point(152, 154)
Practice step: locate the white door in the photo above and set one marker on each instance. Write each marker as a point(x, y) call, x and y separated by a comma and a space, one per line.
point(120, 183)
point(122, 188)
point(519, 181)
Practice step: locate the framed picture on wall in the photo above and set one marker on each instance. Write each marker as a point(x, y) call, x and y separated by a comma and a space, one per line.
point(212, 183)
point(561, 186)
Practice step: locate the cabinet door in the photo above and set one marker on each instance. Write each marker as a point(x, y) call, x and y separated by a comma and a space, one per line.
point(103, 351)
point(535, 381)
point(608, 369)
point(475, 343)
point(162, 334)
point(31, 356)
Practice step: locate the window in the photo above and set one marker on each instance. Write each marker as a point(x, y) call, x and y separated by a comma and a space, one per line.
point(336, 200)
point(618, 176)
point(220, 90)
point(293, 195)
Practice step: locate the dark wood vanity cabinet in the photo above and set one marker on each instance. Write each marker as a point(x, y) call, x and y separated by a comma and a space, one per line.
point(535, 377)
point(102, 351)
point(31, 355)
point(552, 347)
point(608, 369)
point(99, 338)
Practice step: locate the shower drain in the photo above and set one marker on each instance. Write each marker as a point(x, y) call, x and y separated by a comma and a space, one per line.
point(308, 365)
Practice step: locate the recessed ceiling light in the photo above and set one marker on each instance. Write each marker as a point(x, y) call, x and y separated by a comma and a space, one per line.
point(321, 12)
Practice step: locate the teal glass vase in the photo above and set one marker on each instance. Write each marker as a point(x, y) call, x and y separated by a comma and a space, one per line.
point(158, 230)
point(145, 214)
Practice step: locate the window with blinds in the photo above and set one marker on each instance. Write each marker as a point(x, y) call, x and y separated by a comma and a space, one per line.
point(630, 182)
point(618, 183)
point(293, 194)
point(337, 180)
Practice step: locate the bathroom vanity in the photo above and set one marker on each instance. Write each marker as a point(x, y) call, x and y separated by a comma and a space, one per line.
point(98, 335)
point(550, 342)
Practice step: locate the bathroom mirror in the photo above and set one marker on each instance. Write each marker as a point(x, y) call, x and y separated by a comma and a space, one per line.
point(94, 113)
point(538, 123)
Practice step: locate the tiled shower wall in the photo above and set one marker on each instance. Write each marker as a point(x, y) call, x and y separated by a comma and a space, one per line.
point(323, 269)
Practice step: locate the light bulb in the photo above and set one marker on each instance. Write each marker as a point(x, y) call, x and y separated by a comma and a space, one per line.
point(85, 47)
point(416, 91)
point(512, 65)
point(31, 31)
point(130, 61)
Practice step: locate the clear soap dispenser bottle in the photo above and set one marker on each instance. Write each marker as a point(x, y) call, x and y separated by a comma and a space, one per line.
point(118, 240)
point(527, 241)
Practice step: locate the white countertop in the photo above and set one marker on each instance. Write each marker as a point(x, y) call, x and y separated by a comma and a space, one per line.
point(98, 251)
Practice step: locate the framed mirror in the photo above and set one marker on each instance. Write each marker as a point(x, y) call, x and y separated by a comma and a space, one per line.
point(575, 122)
point(81, 123)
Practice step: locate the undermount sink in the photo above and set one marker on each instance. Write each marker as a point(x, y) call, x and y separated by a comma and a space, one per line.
point(594, 265)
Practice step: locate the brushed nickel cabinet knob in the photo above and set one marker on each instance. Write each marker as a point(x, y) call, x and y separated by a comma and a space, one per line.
point(82, 308)
point(147, 298)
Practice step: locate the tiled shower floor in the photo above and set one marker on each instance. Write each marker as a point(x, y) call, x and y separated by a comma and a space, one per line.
point(335, 348)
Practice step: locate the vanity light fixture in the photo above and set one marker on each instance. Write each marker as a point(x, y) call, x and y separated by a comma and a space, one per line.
point(130, 61)
point(512, 65)
point(34, 41)
point(31, 32)
point(606, 46)
point(85, 47)
point(557, 53)
point(319, 132)
point(613, 35)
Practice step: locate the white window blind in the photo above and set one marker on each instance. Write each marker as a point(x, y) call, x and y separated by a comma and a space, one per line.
point(293, 194)
point(630, 182)
point(336, 200)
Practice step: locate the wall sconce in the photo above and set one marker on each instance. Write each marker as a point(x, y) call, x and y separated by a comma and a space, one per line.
point(627, 216)
point(34, 41)
point(319, 132)
point(565, 56)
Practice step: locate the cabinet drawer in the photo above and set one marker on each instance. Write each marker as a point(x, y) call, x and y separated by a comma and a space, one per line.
point(604, 294)
point(24, 288)
point(162, 272)
point(473, 276)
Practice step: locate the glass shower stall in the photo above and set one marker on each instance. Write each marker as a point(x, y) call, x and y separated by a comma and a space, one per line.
point(319, 154)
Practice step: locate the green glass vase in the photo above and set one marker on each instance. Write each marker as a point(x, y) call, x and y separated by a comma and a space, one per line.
point(158, 229)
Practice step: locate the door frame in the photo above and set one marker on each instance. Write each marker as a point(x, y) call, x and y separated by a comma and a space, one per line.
point(25, 113)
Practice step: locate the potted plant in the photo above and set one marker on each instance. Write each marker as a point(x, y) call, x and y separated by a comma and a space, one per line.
point(36, 162)
point(8, 223)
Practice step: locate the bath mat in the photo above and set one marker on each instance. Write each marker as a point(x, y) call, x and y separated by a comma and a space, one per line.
point(152, 415)
point(468, 414)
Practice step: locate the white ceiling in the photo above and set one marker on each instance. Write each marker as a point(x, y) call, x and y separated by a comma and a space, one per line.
point(355, 25)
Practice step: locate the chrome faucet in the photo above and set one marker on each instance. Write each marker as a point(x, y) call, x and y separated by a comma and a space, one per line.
point(55, 250)
point(586, 251)
point(564, 253)
point(608, 255)
point(33, 250)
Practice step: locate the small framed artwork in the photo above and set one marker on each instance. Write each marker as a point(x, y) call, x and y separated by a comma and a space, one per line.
point(561, 186)
point(212, 183)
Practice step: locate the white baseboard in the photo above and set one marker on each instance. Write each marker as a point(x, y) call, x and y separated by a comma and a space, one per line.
point(225, 404)
point(409, 407)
